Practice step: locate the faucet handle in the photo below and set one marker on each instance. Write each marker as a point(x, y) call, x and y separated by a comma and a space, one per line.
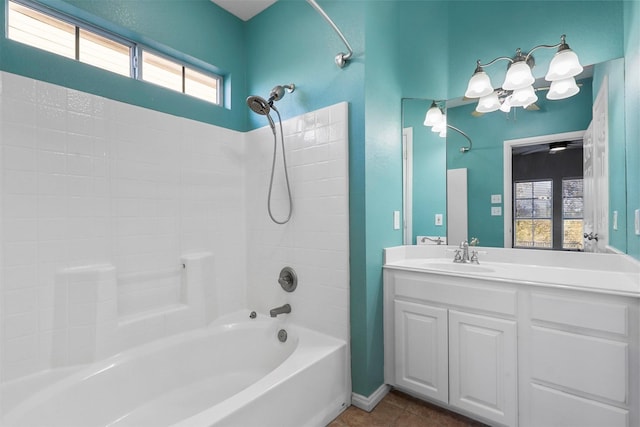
point(458, 256)
point(474, 257)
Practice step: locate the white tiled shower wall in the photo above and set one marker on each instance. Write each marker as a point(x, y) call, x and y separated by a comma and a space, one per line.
point(315, 242)
point(94, 188)
point(87, 181)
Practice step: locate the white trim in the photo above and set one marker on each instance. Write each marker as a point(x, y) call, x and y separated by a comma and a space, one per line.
point(368, 403)
point(407, 187)
point(507, 175)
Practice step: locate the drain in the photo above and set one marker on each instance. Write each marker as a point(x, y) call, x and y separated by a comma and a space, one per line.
point(282, 335)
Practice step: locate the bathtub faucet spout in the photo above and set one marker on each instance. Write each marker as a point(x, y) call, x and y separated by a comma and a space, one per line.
point(280, 310)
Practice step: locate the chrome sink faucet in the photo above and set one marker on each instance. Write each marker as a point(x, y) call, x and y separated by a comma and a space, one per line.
point(280, 310)
point(464, 257)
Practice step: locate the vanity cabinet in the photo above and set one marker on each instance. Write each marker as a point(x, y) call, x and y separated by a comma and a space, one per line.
point(513, 354)
point(450, 345)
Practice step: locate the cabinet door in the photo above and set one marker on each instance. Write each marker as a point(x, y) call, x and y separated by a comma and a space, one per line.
point(421, 349)
point(482, 366)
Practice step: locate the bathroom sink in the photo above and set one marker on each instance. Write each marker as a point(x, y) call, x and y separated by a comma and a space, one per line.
point(458, 267)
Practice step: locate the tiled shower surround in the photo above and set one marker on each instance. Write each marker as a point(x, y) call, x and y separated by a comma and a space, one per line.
point(104, 204)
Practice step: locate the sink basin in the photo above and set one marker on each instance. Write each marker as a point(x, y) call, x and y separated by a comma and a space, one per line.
point(461, 268)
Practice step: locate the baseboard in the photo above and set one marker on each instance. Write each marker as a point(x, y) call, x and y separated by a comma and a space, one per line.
point(370, 402)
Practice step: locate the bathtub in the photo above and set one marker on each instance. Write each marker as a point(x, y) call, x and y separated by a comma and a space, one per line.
point(233, 373)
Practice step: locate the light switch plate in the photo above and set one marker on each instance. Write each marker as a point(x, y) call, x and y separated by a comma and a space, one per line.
point(636, 221)
point(438, 220)
point(496, 198)
point(496, 210)
point(396, 220)
point(615, 220)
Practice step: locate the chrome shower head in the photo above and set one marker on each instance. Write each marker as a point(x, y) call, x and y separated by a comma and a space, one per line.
point(259, 105)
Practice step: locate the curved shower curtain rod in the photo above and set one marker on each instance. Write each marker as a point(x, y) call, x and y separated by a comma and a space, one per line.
point(341, 58)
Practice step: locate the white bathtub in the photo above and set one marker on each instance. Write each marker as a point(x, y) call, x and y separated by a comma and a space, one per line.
point(233, 373)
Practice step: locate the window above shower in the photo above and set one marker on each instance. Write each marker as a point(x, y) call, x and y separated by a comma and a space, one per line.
point(35, 25)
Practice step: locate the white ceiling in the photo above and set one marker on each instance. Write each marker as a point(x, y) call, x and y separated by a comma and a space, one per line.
point(244, 9)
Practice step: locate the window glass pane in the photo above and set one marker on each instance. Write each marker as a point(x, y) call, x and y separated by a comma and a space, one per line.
point(542, 233)
point(572, 234)
point(201, 85)
point(161, 71)
point(524, 208)
point(524, 190)
point(524, 233)
point(38, 30)
point(572, 188)
point(542, 209)
point(542, 190)
point(572, 208)
point(104, 53)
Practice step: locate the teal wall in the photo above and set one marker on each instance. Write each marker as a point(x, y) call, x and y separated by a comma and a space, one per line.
point(485, 161)
point(614, 70)
point(195, 31)
point(632, 120)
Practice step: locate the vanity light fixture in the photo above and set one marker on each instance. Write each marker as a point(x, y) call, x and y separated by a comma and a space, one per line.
point(436, 119)
point(519, 79)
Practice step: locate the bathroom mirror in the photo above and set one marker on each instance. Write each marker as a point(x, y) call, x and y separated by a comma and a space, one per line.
point(429, 158)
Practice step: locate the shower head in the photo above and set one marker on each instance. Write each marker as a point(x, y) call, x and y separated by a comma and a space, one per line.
point(260, 106)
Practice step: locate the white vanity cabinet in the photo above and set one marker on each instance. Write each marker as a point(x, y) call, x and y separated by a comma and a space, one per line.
point(452, 343)
point(512, 353)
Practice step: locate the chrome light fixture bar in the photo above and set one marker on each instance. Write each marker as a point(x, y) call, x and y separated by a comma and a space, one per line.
point(519, 79)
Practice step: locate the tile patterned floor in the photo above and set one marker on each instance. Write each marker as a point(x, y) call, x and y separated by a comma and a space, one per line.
point(401, 410)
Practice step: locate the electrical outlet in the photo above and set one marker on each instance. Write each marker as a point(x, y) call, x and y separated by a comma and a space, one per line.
point(396, 220)
point(496, 210)
point(496, 198)
point(615, 220)
point(636, 221)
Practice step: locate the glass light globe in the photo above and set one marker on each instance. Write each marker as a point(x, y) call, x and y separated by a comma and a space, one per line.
point(523, 97)
point(439, 127)
point(561, 89)
point(518, 76)
point(479, 85)
point(433, 116)
point(564, 64)
point(488, 103)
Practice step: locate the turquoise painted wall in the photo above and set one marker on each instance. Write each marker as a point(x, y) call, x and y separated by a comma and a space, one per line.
point(429, 171)
point(632, 120)
point(199, 31)
point(614, 70)
point(485, 161)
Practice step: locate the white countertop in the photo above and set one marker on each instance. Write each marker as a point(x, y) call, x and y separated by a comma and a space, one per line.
point(603, 273)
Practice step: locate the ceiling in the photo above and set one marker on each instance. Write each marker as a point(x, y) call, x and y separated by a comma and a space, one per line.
point(244, 9)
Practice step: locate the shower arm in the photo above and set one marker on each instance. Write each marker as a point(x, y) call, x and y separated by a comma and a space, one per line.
point(463, 149)
point(341, 58)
